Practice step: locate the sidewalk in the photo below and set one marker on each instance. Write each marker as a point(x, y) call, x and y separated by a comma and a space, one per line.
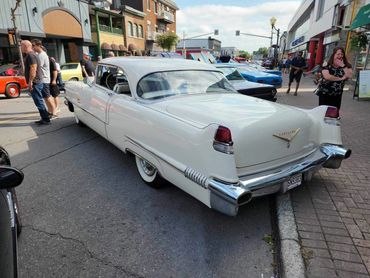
point(332, 213)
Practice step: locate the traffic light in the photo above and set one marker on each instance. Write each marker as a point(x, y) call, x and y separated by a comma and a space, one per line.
point(216, 32)
point(237, 33)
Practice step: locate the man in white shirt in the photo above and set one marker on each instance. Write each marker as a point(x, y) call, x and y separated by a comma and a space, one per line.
point(45, 79)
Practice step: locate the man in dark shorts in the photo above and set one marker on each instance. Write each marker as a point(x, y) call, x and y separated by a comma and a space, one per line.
point(88, 69)
point(54, 89)
point(33, 75)
point(296, 70)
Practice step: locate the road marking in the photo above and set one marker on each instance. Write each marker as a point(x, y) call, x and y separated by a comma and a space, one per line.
point(7, 120)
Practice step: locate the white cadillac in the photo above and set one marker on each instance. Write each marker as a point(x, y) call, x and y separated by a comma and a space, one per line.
point(185, 123)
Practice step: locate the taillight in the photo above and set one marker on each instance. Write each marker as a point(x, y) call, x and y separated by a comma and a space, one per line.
point(332, 112)
point(332, 116)
point(223, 141)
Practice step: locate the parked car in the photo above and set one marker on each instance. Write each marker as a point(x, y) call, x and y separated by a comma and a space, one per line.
point(10, 224)
point(254, 75)
point(11, 86)
point(245, 87)
point(185, 123)
point(260, 68)
point(71, 72)
point(9, 70)
point(267, 63)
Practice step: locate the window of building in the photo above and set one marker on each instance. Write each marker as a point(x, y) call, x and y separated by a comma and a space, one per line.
point(148, 5)
point(155, 7)
point(320, 10)
point(135, 30)
point(130, 29)
point(141, 33)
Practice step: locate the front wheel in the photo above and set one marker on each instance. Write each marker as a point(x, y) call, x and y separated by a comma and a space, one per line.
point(148, 173)
point(73, 79)
point(12, 90)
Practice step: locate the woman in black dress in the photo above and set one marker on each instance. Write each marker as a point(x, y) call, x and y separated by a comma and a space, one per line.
point(334, 73)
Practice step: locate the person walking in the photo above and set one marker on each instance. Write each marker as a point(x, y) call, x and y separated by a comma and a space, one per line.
point(54, 89)
point(45, 70)
point(33, 75)
point(87, 67)
point(296, 71)
point(288, 61)
point(334, 74)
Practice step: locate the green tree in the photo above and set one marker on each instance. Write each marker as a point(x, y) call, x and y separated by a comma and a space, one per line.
point(167, 40)
point(245, 54)
point(263, 51)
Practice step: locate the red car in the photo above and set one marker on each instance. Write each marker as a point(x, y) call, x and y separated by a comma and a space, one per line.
point(11, 86)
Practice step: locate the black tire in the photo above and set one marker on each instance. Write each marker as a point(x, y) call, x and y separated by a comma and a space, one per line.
point(148, 173)
point(73, 79)
point(12, 90)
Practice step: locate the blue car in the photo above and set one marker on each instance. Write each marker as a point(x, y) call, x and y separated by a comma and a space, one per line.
point(254, 75)
point(258, 67)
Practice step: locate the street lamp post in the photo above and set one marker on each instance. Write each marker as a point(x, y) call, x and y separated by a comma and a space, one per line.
point(273, 22)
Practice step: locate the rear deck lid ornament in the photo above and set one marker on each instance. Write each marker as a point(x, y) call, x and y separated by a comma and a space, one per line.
point(287, 135)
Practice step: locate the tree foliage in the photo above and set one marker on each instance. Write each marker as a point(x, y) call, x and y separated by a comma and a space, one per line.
point(245, 54)
point(167, 40)
point(359, 42)
point(262, 51)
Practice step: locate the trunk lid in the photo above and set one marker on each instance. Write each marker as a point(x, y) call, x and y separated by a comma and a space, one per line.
point(262, 131)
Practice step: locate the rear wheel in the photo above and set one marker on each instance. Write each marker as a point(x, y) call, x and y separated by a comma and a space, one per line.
point(148, 173)
point(12, 90)
point(73, 79)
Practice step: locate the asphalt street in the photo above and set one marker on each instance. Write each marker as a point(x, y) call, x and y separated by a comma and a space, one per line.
point(86, 212)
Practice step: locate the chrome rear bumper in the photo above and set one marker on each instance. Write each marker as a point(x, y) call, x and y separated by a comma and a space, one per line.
point(227, 198)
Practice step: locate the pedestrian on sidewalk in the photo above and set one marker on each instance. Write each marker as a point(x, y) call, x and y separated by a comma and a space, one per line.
point(45, 70)
point(296, 70)
point(33, 75)
point(334, 74)
point(288, 62)
point(54, 89)
point(87, 67)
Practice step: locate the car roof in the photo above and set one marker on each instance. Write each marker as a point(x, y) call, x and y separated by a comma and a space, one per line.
point(137, 67)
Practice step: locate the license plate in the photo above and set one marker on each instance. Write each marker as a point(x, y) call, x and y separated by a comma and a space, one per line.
point(294, 181)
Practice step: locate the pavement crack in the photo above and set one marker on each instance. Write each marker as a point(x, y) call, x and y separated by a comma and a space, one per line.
point(90, 253)
point(62, 151)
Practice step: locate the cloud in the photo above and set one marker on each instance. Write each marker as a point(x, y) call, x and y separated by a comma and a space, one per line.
point(196, 20)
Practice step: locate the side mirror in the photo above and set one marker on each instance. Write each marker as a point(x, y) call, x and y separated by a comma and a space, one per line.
point(10, 177)
point(4, 157)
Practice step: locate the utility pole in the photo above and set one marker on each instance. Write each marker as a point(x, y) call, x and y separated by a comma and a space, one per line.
point(17, 4)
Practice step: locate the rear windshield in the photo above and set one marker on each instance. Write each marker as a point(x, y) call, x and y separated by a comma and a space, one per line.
point(166, 84)
point(231, 73)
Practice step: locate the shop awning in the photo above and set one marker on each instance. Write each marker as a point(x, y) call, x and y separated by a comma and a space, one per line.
point(122, 47)
point(114, 46)
point(105, 46)
point(362, 18)
point(132, 47)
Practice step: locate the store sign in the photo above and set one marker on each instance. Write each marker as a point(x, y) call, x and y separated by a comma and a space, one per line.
point(364, 84)
point(298, 41)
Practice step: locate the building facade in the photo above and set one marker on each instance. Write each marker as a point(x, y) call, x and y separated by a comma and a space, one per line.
point(317, 27)
point(210, 45)
point(160, 18)
point(47, 20)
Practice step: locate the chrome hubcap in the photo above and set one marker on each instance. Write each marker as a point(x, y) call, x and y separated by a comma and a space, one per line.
point(147, 168)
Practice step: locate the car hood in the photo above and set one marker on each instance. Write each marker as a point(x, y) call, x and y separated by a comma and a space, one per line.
point(253, 123)
point(244, 84)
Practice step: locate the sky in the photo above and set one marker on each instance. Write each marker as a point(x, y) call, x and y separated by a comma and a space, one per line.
point(196, 17)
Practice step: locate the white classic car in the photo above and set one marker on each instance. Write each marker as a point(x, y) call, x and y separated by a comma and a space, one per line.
point(185, 123)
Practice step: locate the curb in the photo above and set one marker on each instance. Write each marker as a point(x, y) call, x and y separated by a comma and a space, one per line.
point(290, 249)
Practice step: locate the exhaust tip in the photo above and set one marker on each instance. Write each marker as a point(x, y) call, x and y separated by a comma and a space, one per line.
point(348, 153)
point(244, 198)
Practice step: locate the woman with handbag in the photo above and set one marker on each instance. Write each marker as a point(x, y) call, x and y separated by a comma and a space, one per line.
point(334, 74)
